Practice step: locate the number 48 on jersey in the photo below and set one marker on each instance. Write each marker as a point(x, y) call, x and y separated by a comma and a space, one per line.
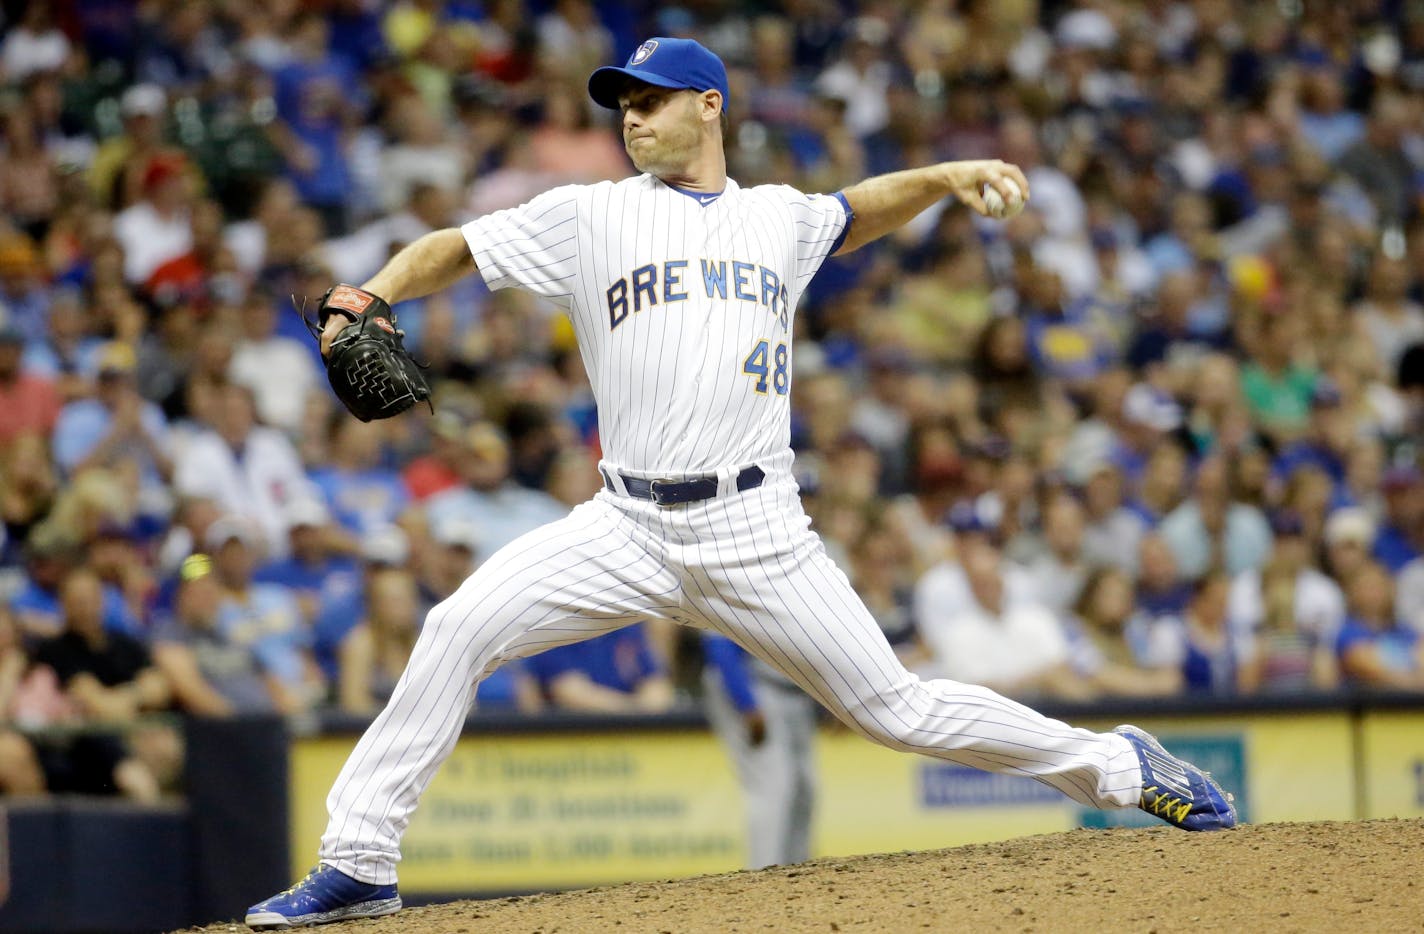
point(769, 367)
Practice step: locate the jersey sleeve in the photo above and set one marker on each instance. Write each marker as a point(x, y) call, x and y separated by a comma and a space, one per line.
point(534, 246)
point(821, 223)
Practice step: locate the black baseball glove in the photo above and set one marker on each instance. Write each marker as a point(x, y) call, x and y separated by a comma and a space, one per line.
point(368, 365)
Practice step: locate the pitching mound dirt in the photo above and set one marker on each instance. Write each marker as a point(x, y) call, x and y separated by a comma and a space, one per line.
point(1336, 877)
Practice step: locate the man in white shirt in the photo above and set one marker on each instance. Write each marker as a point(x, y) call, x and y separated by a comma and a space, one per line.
point(249, 470)
point(997, 633)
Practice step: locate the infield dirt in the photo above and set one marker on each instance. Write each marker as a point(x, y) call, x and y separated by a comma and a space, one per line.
point(1336, 877)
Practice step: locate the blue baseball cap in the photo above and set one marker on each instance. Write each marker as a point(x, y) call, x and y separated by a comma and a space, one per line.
point(667, 63)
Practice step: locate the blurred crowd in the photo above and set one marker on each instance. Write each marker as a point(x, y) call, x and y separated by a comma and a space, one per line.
point(1159, 434)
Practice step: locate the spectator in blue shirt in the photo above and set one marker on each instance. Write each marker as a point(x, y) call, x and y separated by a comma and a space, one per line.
point(1328, 439)
point(49, 558)
point(492, 503)
point(315, 571)
point(363, 494)
point(1373, 648)
point(116, 425)
point(1398, 541)
point(263, 617)
point(612, 673)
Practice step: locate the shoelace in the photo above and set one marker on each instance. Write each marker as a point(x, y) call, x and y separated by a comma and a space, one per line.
point(301, 882)
point(1173, 808)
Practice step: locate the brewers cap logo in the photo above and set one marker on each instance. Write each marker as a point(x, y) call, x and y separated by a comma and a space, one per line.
point(644, 51)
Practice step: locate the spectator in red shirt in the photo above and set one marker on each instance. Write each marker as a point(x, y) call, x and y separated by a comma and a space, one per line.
point(29, 404)
point(438, 470)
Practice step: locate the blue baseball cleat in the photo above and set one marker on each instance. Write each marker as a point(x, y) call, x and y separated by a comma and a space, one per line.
point(1175, 790)
point(325, 895)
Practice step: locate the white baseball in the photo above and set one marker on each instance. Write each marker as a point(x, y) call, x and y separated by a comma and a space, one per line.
point(997, 206)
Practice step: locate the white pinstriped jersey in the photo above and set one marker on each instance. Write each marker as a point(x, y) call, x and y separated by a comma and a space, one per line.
point(682, 303)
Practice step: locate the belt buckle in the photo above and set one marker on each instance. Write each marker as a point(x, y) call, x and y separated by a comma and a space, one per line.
point(657, 496)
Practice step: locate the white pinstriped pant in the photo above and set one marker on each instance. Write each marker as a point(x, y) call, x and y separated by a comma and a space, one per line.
point(745, 565)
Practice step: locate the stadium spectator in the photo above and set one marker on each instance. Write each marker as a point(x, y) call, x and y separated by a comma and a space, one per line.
point(279, 370)
point(118, 426)
point(1060, 569)
point(1112, 534)
point(362, 493)
point(263, 618)
point(28, 488)
point(439, 469)
point(248, 469)
point(110, 679)
point(1373, 648)
point(158, 227)
point(489, 500)
point(1293, 611)
point(374, 654)
point(996, 632)
point(1214, 528)
point(613, 673)
point(29, 402)
point(212, 673)
point(318, 569)
point(1098, 647)
point(1400, 537)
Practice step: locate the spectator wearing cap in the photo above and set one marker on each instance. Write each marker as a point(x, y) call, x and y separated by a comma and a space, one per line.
point(29, 403)
point(1212, 528)
point(1328, 439)
point(1348, 536)
point(1150, 416)
point(617, 672)
point(1373, 648)
point(362, 493)
point(25, 292)
point(63, 349)
point(318, 568)
point(116, 172)
point(248, 469)
point(489, 500)
point(993, 633)
point(1400, 538)
point(438, 470)
point(942, 591)
point(263, 618)
point(116, 427)
point(1294, 612)
point(212, 674)
point(158, 226)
